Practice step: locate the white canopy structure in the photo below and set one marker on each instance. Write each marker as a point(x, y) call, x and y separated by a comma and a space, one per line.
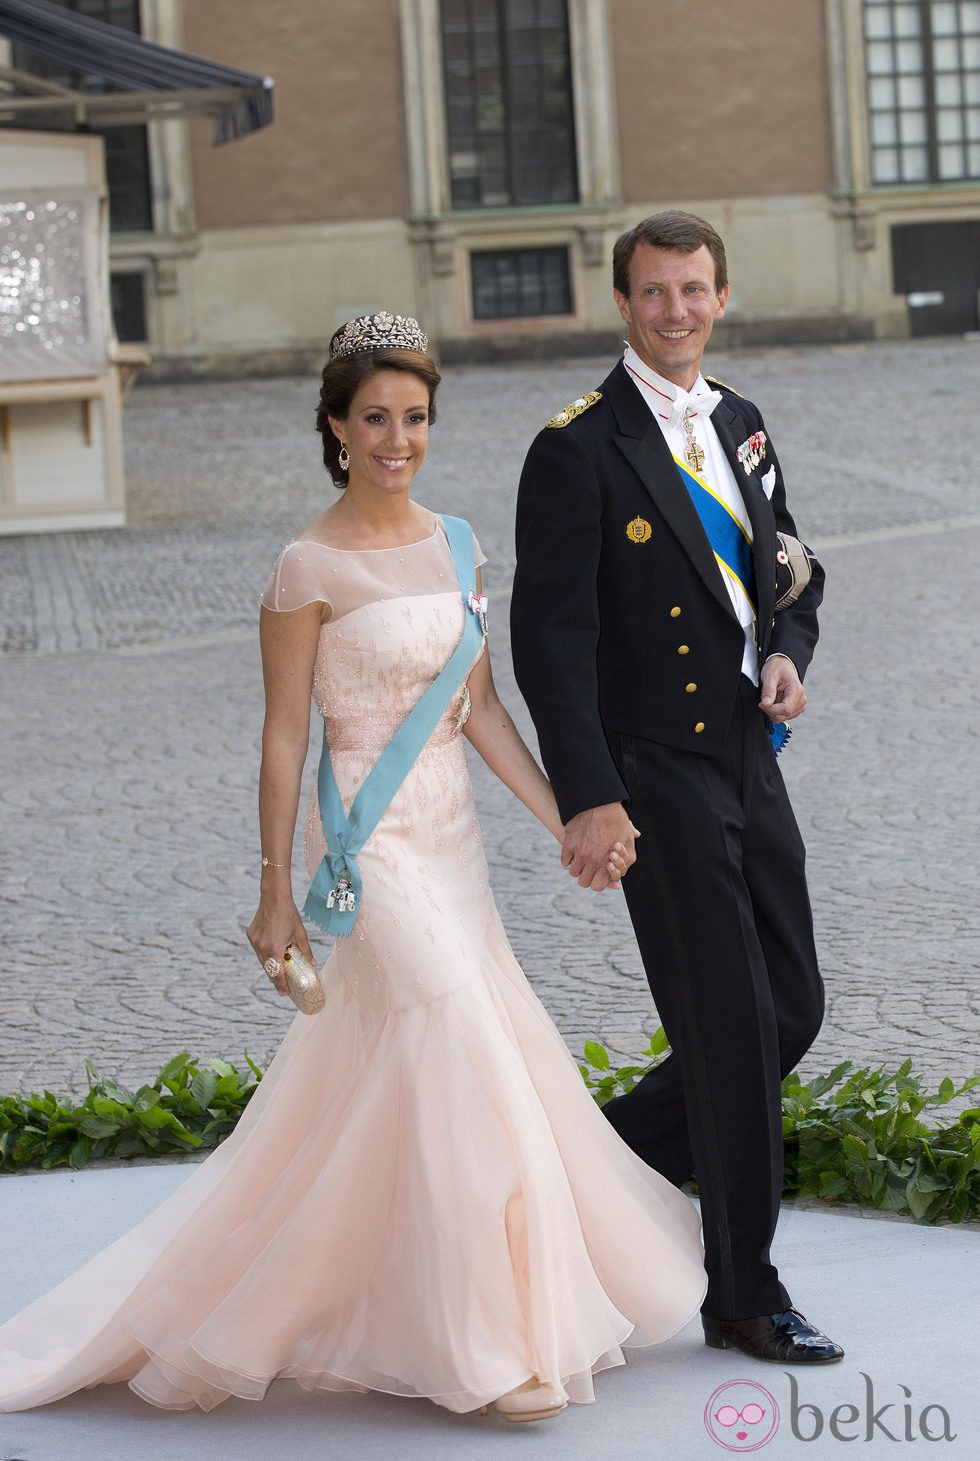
point(62, 372)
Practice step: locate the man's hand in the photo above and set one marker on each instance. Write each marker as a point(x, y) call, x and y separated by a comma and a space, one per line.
point(588, 839)
point(783, 696)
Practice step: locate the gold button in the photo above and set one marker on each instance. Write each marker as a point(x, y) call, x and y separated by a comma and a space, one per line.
point(690, 688)
point(675, 612)
point(683, 649)
point(699, 727)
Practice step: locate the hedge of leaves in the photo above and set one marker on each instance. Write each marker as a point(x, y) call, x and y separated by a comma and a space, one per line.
point(855, 1135)
point(190, 1106)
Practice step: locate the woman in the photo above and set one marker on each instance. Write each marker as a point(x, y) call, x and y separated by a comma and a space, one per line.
point(421, 1198)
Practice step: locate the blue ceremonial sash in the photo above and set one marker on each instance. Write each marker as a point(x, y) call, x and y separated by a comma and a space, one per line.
point(733, 551)
point(335, 892)
point(729, 541)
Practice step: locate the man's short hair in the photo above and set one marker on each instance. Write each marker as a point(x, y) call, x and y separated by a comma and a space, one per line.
point(673, 229)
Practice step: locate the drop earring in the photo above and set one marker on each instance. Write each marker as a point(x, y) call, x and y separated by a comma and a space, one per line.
point(343, 460)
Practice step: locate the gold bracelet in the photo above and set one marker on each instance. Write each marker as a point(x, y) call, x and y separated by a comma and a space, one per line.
point(284, 865)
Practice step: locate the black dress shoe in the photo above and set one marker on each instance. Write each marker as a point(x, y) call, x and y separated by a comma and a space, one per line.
point(786, 1339)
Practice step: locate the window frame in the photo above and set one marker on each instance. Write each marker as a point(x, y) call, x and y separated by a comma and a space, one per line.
point(516, 253)
point(512, 50)
point(593, 99)
point(930, 147)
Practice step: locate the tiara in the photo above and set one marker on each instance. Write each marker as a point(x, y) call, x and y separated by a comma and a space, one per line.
point(382, 331)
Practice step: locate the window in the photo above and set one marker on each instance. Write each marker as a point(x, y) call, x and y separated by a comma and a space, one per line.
point(923, 61)
point(128, 298)
point(509, 110)
point(510, 283)
point(126, 155)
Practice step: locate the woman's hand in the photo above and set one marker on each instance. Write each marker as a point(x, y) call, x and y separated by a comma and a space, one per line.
point(276, 925)
point(619, 862)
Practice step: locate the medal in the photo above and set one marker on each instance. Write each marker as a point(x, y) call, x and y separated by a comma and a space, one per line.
point(477, 604)
point(752, 451)
point(693, 454)
point(342, 896)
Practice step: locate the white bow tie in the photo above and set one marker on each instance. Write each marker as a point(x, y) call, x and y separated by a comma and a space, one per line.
point(696, 405)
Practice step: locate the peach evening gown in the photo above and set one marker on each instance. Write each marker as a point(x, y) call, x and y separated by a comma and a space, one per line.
point(421, 1198)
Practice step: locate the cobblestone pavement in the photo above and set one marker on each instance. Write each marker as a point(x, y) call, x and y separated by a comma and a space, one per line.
point(130, 716)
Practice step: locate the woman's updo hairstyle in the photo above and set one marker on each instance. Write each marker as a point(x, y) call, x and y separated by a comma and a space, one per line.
point(359, 350)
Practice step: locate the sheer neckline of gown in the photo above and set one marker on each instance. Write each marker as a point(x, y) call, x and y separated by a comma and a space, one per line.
point(396, 548)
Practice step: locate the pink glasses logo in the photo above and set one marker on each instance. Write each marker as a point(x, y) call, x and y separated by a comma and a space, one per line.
point(741, 1416)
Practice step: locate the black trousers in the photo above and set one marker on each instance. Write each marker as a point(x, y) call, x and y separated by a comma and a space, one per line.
point(720, 908)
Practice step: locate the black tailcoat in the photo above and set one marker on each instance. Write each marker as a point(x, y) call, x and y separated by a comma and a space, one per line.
point(608, 632)
point(629, 655)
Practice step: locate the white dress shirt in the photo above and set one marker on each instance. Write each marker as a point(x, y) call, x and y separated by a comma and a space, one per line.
point(668, 403)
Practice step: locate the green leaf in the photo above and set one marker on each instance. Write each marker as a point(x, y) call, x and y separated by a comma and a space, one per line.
point(824, 1083)
point(158, 1119)
point(80, 1153)
point(833, 1186)
point(220, 1067)
point(659, 1044)
point(919, 1202)
point(96, 1126)
point(252, 1066)
point(174, 1074)
point(203, 1087)
point(596, 1055)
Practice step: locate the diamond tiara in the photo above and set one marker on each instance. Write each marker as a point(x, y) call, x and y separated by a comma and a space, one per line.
point(382, 331)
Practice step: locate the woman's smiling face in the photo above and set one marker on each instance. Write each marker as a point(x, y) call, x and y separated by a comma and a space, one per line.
point(386, 430)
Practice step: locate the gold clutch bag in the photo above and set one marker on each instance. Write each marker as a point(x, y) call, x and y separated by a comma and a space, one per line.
point(302, 982)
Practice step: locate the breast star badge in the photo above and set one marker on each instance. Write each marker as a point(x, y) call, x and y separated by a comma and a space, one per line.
point(639, 530)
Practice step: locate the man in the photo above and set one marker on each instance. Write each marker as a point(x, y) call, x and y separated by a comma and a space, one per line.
point(647, 646)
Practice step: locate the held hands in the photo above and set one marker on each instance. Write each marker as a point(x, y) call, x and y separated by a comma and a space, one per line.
point(783, 696)
point(599, 846)
point(277, 923)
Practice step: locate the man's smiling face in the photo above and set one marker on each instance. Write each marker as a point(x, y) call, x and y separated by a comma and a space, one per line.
point(671, 309)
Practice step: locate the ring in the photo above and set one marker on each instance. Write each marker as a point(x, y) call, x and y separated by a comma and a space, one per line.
point(271, 967)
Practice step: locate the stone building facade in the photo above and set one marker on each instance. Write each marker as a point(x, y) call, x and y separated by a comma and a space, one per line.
point(472, 161)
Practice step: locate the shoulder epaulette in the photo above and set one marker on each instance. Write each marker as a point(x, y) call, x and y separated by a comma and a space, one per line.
point(714, 381)
point(575, 409)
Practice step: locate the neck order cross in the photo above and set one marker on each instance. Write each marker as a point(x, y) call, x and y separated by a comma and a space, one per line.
point(693, 454)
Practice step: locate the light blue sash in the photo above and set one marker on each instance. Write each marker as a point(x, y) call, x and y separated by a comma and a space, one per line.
point(335, 892)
